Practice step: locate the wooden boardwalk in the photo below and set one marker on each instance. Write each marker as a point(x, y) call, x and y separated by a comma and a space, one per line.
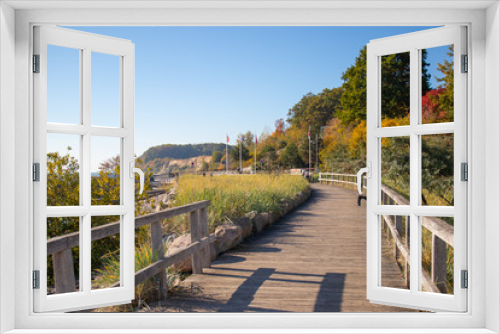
point(313, 260)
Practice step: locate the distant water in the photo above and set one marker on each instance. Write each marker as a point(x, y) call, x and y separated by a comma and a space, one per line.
point(94, 174)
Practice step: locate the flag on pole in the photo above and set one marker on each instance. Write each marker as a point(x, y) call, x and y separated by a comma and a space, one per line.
point(255, 139)
point(227, 139)
point(309, 134)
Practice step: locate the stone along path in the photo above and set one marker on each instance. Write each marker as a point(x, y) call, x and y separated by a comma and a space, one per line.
point(312, 260)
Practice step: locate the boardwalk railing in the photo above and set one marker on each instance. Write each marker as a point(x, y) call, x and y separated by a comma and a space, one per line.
point(398, 228)
point(342, 180)
point(198, 250)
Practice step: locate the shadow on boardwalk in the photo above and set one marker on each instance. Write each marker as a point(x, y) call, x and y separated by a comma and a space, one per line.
point(313, 260)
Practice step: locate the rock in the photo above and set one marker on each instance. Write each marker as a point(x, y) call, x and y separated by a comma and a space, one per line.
point(298, 200)
point(168, 239)
point(260, 222)
point(252, 215)
point(227, 237)
point(245, 223)
point(178, 244)
point(266, 216)
point(274, 217)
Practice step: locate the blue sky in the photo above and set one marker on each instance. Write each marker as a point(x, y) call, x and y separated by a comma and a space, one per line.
point(194, 84)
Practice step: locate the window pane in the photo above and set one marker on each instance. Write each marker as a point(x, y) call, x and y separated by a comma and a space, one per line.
point(437, 84)
point(105, 251)
point(437, 170)
point(63, 169)
point(395, 99)
point(105, 90)
point(105, 167)
point(395, 261)
point(437, 254)
point(63, 85)
point(395, 170)
point(63, 255)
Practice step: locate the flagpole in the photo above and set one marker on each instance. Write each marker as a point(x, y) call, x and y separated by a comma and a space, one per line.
point(227, 157)
point(255, 153)
point(241, 167)
point(309, 137)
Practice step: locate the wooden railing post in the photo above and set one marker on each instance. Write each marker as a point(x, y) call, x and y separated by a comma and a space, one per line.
point(64, 273)
point(195, 235)
point(438, 272)
point(157, 247)
point(205, 252)
point(399, 224)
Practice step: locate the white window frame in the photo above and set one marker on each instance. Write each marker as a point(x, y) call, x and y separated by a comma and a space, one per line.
point(86, 44)
point(413, 43)
point(483, 102)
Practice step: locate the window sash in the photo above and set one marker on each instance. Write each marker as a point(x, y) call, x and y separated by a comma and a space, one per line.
point(86, 297)
point(413, 43)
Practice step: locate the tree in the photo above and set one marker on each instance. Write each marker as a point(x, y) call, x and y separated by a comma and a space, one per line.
point(216, 156)
point(235, 154)
point(204, 166)
point(290, 156)
point(315, 110)
point(432, 111)
point(247, 138)
point(446, 99)
point(269, 156)
point(304, 150)
point(437, 168)
point(353, 100)
point(279, 128)
point(296, 114)
point(395, 87)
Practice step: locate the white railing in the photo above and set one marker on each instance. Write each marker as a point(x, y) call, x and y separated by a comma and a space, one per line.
point(344, 180)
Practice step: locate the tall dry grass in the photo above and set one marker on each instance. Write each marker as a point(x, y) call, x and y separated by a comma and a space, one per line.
point(235, 195)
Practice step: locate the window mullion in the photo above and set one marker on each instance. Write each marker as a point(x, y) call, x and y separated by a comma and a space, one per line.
point(415, 172)
point(86, 181)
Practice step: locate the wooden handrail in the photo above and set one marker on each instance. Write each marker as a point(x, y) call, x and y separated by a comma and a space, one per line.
point(157, 267)
point(442, 234)
point(198, 250)
point(71, 240)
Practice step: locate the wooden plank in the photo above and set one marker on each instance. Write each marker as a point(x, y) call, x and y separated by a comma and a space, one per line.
point(196, 263)
point(157, 247)
point(440, 228)
point(396, 197)
point(161, 265)
point(64, 271)
point(205, 252)
point(439, 257)
point(170, 213)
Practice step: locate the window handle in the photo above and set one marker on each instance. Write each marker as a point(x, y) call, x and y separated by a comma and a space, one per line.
point(139, 171)
point(359, 178)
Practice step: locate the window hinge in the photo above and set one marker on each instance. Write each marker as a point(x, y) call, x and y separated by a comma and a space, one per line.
point(36, 63)
point(36, 172)
point(465, 64)
point(465, 279)
point(464, 171)
point(36, 279)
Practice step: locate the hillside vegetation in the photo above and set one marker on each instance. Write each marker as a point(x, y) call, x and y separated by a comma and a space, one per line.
point(168, 157)
point(174, 151)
